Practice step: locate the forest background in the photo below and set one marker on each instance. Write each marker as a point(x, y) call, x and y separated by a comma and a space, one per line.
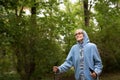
point(35, 35)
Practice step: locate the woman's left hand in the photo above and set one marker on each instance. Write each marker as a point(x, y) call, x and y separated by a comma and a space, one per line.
point(94, 75)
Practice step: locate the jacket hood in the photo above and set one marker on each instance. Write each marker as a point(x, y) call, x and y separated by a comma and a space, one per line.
point(85, 39)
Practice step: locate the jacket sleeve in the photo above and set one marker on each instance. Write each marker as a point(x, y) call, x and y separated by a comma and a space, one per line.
point(68, 62)
point(97, 61)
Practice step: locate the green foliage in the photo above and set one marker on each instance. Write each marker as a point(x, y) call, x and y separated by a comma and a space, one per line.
point(108, 36)
point(9, 77)
point(30, 45)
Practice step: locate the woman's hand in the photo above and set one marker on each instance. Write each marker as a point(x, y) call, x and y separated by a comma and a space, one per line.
point(55, 69)
point(94, 75)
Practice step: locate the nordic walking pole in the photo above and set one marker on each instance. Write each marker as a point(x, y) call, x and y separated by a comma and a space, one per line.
point(55, 76)
point(55, 70)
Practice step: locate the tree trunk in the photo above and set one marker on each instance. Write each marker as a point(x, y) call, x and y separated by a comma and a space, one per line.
point(25, 53)
point(86, 13)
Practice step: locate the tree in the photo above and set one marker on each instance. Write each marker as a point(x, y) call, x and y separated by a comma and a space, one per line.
point(108, 25)
point(31, 42)
point(86, 12)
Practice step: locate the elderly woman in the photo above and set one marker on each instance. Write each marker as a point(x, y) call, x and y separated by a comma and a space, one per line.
point(84, 57)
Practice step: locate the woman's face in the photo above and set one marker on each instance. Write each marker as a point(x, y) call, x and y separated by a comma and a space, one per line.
point(79, 35)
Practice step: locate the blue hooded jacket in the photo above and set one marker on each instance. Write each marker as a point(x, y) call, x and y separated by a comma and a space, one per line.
point(91, 59)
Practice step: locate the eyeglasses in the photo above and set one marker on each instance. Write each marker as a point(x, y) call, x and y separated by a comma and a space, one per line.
point(79, 33)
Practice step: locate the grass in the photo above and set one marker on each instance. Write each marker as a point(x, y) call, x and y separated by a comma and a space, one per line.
point(110, 76)
point(105, 76)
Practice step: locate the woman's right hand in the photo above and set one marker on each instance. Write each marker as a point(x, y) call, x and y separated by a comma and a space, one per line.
point(55, 69)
